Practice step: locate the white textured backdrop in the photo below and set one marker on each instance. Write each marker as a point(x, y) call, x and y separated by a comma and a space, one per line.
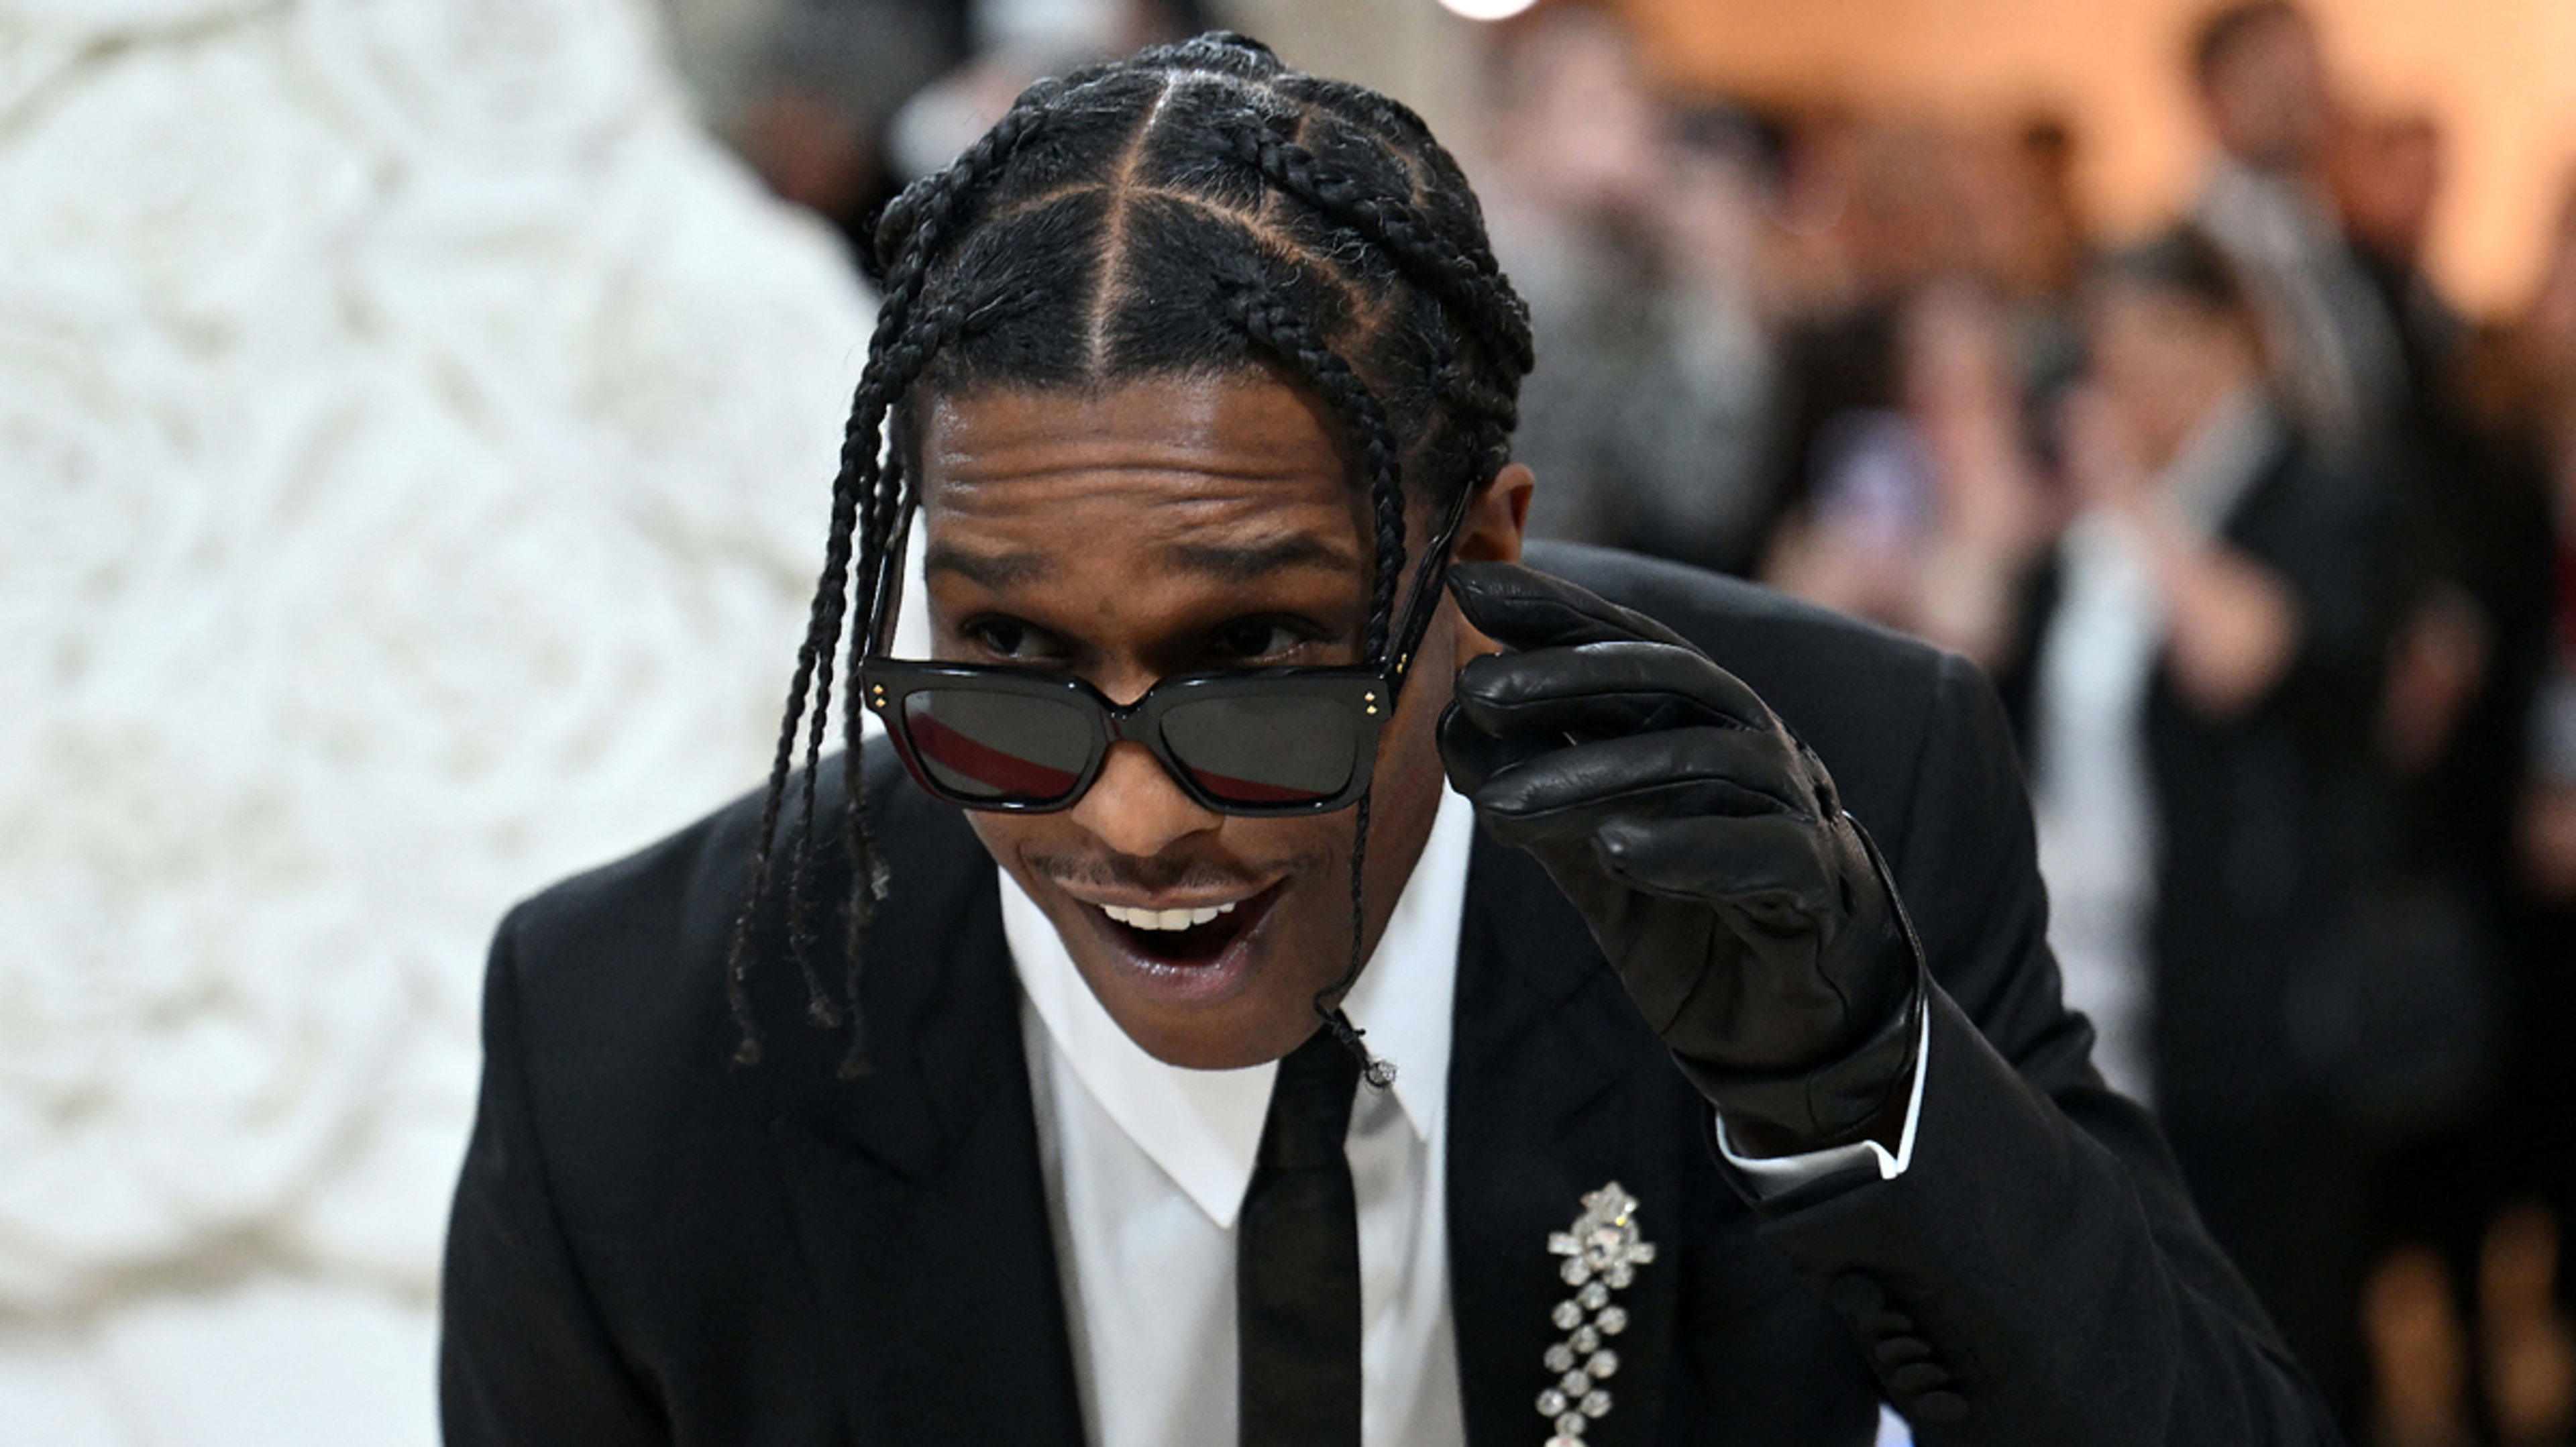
point(413, 438)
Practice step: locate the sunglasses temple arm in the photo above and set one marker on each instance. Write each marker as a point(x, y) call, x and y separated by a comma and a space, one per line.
point(1426, 577)
point(890, 575)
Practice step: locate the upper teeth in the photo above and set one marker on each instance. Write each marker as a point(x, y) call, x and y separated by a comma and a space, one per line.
point(1165, 918)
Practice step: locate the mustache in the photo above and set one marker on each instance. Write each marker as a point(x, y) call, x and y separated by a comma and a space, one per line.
point(1158, 875)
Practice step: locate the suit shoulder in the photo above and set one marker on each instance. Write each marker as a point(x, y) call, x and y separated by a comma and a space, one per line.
point(1861, 695)
point(641, 941)
point(1732, 619)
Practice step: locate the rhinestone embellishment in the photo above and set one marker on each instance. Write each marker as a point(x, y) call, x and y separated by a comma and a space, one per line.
point(1602, 1253)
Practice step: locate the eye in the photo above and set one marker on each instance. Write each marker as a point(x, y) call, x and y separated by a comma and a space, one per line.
point(1011, 640)
point(1260, 639)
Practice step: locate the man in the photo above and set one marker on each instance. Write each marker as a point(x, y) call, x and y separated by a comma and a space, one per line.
point(2259, 72)
point(2205, 651)
point(1197, 371)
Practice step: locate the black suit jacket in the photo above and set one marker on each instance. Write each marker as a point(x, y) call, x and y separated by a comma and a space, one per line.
point(653, 1246)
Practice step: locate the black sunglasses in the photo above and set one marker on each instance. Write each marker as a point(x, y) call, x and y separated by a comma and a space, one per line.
point(1261, 742)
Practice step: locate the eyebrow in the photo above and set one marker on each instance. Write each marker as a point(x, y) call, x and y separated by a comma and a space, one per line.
point(1241, 563)
point(992, 570)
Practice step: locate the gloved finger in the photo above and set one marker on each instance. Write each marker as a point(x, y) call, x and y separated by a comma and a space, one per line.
point(1675, 773)
point(1471, 755)
point(1522, 607)
point(1773, 867)
point(1602, 690)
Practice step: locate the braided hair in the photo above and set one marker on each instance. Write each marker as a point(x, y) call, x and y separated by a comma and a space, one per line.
point(1196, 208)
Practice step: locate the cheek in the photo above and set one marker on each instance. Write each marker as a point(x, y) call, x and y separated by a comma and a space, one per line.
point(1409, 771)
point(1008, 837)
point(1408, 750)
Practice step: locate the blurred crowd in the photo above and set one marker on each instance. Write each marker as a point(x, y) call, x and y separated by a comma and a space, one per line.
point(2270, 552)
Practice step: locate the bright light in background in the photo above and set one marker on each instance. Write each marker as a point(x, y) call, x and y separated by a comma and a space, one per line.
point(1488, 9)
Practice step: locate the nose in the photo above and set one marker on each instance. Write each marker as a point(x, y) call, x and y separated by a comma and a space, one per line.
point(1135, 809)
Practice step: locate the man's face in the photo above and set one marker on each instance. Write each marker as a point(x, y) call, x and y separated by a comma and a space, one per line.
point(1166, 527)
point(2267, 95)
point(2165, 364)
point(2387, 176)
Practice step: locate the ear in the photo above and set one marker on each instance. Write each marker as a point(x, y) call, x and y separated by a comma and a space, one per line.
point(1497, 517)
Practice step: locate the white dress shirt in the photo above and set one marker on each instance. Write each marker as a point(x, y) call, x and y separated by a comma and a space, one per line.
point(1146, 1165)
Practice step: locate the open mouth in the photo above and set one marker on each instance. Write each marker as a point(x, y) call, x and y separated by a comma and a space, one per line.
point(1191, 937)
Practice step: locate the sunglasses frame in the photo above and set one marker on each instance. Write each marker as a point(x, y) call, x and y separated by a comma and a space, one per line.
point(1368, 691)
point(1362, 691)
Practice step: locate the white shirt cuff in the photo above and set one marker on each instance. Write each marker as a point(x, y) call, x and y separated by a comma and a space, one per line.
point(1775, 1174)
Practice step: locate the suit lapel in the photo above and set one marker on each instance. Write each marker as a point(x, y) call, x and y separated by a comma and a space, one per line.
point(1556, 1088)
point(918, 1194)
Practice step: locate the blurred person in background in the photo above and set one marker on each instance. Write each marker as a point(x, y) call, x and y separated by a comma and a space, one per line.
point(2037, 241)
point(2519, 393)
point(2385, 173)
point(1635, 227)
point(2472, 578)
point(1919, 482)
point(1687, 446)
point(819, 85)
point(2544, 351)
point(2201, 643)
point(1929, 511)
point(1875, 211)
point(2258, 70)
point(2035, 255)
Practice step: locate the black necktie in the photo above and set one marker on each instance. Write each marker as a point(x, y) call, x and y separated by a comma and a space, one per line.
point(1297, 1261)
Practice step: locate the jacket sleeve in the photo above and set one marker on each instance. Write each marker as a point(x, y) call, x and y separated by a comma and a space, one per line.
point(523, 1357)
point(2038, 1275)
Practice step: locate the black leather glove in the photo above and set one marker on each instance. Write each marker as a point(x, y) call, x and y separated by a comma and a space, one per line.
point(1749, 916)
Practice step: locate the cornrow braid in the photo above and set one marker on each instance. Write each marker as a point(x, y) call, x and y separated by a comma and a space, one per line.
point(1195, 208)
point(1279, 330)
point(1461, 280)
point(1399, 127)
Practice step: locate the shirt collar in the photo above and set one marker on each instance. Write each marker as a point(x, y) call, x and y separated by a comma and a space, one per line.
point(1203, 1127)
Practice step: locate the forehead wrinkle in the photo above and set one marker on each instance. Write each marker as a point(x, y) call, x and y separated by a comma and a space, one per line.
point(1000, 482)
point(1247, 562)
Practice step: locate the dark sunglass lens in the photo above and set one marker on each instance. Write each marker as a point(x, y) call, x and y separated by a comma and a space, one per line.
point(1005, 747)
point(1258, 748)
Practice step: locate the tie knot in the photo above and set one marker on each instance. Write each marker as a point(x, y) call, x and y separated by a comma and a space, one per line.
point(1310, 1105)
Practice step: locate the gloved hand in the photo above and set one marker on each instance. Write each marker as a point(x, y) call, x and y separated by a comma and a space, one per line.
point(1749, 917)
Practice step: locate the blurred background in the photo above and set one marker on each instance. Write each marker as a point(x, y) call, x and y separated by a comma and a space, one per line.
point(414, 431)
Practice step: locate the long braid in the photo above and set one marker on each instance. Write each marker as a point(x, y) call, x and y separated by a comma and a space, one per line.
point(896, 367)
point(1375, 1070)
point(938, 324)
point(1277, 328)
point(747, 1049)
point(1274, 325)
point(921, 219)
point(918, 232)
